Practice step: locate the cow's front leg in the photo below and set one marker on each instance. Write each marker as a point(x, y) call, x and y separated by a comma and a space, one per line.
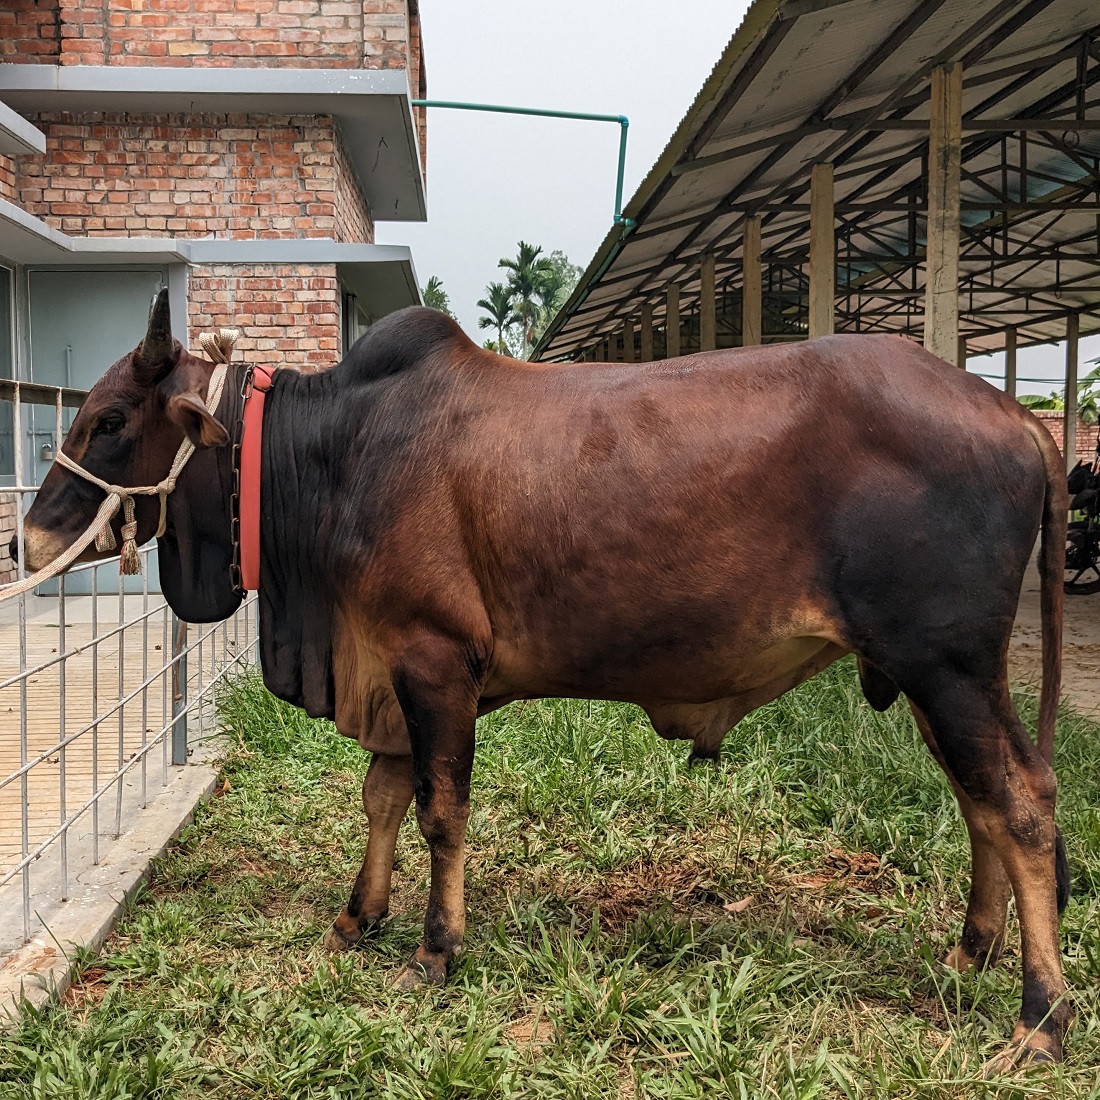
point(387, 792)
point(440, 711)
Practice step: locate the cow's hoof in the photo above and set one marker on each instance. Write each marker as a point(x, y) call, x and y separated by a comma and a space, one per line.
point(346, 934)
point(958, 959)
point(1030, 1054)
point(703, 754)
point(419, 972)
point(336, 940)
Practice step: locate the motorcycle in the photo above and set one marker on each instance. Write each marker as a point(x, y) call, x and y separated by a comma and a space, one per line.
point(1082, 576)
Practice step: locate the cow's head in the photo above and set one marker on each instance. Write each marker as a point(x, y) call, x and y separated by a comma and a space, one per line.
point(127, 433)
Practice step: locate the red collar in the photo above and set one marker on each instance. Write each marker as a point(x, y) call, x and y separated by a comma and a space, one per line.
point(258, 383)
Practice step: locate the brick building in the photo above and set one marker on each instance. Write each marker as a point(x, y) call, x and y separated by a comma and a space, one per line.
point(238, 152)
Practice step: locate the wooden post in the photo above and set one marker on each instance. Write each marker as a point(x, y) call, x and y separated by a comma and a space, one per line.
point(645, 335)
point(822, 251)
point(1069, 425)
point(1010, 361)
point(751, 327)
point(672, 322)
point(707, 304)
point(941, 289)
point(628, 340)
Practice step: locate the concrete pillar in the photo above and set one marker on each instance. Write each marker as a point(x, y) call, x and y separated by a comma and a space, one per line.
point(628, 340)
point(941, 290)
point(672, 322)
point(707, 304)
point(1069, 425)
point(960, 352)
point(822, 251)
point(1010, 361)
point(751, 326)
point(645, 333)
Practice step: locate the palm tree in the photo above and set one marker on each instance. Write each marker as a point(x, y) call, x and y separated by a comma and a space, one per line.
point(435, 296)
point(528, 273)
point(500, 307)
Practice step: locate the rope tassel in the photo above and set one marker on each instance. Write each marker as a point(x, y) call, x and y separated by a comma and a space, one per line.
point(129, 564)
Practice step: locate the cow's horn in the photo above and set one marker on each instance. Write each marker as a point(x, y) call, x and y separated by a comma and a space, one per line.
point(158, 345)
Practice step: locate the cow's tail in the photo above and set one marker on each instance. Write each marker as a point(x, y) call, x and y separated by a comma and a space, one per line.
point(1052, 551)
point(1052, 557)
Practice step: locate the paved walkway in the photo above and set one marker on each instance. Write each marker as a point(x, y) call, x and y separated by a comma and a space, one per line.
point(70, 696)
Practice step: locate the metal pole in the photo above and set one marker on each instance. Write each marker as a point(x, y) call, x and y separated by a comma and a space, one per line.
point(1010, 361)
point(179, 691)
point(540, 112)
point(1069, 424)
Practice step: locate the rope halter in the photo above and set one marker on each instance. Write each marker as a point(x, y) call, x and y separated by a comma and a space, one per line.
point(218, 346)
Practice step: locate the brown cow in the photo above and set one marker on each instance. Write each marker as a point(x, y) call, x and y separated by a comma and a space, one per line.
point(446, 531)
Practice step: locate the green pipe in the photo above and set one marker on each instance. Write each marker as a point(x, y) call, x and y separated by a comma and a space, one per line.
point(539, 112)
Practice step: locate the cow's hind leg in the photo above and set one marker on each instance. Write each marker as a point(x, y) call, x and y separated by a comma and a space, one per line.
point(983, 933)
point(387, 793)
point(1010, 792)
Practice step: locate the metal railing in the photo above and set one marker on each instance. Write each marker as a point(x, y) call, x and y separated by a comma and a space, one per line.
point(104, 695)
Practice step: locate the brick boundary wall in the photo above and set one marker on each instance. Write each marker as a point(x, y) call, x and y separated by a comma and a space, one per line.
point(288, 314)
point(1086, 433)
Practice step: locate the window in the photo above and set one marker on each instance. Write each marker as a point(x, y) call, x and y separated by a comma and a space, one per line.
point(355, 319)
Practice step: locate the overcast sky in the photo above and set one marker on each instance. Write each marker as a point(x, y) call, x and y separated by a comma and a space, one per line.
point(496, 179)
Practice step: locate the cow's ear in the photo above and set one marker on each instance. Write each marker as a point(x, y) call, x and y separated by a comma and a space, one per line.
point(189, 411)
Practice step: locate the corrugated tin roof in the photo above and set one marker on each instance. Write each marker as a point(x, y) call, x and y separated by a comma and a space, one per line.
point(799, 83)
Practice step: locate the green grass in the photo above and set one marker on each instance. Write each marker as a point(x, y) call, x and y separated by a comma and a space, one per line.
point(599, 959)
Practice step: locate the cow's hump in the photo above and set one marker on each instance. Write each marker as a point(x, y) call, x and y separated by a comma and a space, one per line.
point(400, 342)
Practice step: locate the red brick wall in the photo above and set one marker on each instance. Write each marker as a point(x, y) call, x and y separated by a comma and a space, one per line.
point(1086, 433)
point(418, 80)
point(193, 175)
point(373, 34)
point(353, 217)
point(30, 31)
point(7, 179)
point(288, 314)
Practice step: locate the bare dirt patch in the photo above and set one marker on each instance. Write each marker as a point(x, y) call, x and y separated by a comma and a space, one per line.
point(1080, 646)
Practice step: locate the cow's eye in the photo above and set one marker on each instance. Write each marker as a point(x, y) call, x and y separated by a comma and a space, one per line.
point(110, 425)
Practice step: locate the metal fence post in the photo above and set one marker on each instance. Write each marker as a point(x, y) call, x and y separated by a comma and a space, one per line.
point(179, 691)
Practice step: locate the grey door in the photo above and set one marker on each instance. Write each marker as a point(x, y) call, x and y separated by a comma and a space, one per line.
point(80, 323)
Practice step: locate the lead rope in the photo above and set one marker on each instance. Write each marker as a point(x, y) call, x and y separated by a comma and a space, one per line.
point(218, 346)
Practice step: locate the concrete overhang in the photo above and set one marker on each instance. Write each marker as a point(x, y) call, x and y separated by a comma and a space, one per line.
point(371, 106)
point(382, 275)
point(17, 136)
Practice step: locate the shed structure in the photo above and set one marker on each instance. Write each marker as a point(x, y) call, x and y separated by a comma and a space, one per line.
point(923, 167)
